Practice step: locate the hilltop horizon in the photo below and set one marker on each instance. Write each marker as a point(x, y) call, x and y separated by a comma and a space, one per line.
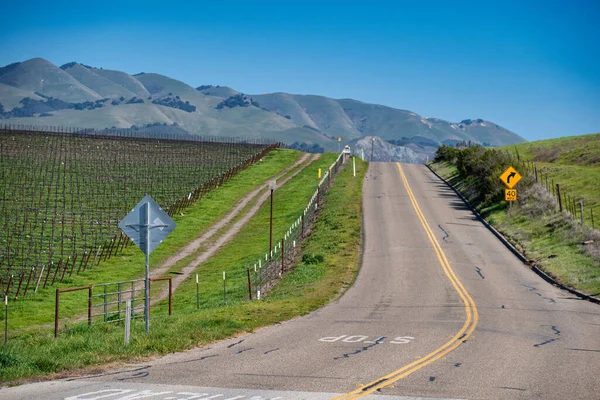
point(37, 92)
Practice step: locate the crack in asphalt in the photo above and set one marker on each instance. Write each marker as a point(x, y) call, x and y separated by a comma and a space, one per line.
point(446, 232)
point(478, 270)
point(134, 376)
point(538, 293)
point(233, 344)
point(555, 330)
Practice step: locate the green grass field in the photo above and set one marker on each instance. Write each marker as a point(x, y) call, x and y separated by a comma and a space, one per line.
point(336, 237)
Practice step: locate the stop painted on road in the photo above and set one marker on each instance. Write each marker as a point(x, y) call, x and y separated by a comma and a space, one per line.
point(363, 339)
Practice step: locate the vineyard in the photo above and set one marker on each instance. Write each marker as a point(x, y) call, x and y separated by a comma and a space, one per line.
point(62, 194)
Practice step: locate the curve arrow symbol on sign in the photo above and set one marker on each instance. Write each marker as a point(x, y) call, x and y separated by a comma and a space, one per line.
point(511, 175)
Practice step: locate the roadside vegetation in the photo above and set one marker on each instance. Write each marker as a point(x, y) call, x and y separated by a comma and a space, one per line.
point(326, 266)
point(554, 241)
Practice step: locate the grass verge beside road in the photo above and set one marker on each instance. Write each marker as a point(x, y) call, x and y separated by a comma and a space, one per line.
point(334, 248)
point(549, 239)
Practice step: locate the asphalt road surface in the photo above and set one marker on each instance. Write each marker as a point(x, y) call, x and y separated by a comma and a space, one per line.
point(440, 309)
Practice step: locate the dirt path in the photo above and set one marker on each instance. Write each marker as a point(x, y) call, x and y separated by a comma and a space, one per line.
point(214, 246)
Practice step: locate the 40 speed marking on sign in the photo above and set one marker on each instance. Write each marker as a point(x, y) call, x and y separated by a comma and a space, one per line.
point(510, 194)
point(363, 339)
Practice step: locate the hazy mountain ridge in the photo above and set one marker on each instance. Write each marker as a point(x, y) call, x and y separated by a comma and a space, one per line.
point(102, 98)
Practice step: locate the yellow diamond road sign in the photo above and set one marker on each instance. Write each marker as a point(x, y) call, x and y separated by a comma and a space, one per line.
point(510, 177)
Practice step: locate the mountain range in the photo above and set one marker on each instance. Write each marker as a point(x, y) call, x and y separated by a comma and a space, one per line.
point(37, 92)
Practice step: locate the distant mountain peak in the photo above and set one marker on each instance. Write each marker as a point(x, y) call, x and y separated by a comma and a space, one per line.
point(74, 63)
point(471, 121)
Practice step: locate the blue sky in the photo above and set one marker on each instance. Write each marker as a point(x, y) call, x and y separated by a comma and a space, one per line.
point(530, 66)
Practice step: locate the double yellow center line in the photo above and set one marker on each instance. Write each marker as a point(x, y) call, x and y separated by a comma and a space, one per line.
point(467, 329)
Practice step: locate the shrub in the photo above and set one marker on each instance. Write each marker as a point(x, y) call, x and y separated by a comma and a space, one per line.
point(313, 258)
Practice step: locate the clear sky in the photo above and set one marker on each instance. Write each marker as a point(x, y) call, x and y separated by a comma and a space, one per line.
point(530, 66)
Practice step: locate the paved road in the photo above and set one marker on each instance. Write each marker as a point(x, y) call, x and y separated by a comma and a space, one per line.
point(440, 309)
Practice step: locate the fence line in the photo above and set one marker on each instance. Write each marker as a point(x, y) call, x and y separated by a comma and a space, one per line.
point(575, 206)
point(146, 133)
point(268, 269)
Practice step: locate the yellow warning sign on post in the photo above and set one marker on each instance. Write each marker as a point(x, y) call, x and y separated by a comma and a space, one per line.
point(339, 138)
point(510, 177)
point(510, 194)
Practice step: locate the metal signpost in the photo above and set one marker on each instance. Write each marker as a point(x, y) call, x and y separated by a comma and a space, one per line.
point(272, 186)
point(147, 225)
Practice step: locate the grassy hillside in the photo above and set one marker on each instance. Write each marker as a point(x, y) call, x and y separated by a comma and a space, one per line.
point(124, 80)
point(318, 112)
point(217, 91)
point(571, 150)
point(99, 84)
point(352, 119)
point(10, 96)
point(39, 75)
point(573, 162)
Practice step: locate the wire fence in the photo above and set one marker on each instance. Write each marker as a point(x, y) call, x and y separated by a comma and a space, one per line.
point(145, 133)
point(575, 205)
point(268, 270)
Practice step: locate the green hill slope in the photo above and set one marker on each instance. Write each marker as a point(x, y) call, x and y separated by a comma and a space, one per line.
point(352, 119)
point(217, 91)
point(99, 84)
point(573, 162)
point(10, 96)
point(124, 80)
point(39, 75)
point(571, 150)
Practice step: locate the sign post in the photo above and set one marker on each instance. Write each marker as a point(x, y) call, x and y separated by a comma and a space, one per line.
point(147, 225)
point(510, 178)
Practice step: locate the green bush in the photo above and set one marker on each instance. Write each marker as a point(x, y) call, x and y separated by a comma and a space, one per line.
point(313, 258)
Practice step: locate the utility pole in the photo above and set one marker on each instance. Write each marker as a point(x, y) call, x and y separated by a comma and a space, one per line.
point(272, 186)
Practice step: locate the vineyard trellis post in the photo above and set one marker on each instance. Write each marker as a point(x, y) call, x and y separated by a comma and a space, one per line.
point(5, 319)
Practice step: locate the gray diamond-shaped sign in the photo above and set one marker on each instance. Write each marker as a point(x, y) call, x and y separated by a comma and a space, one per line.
point(147, 225)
